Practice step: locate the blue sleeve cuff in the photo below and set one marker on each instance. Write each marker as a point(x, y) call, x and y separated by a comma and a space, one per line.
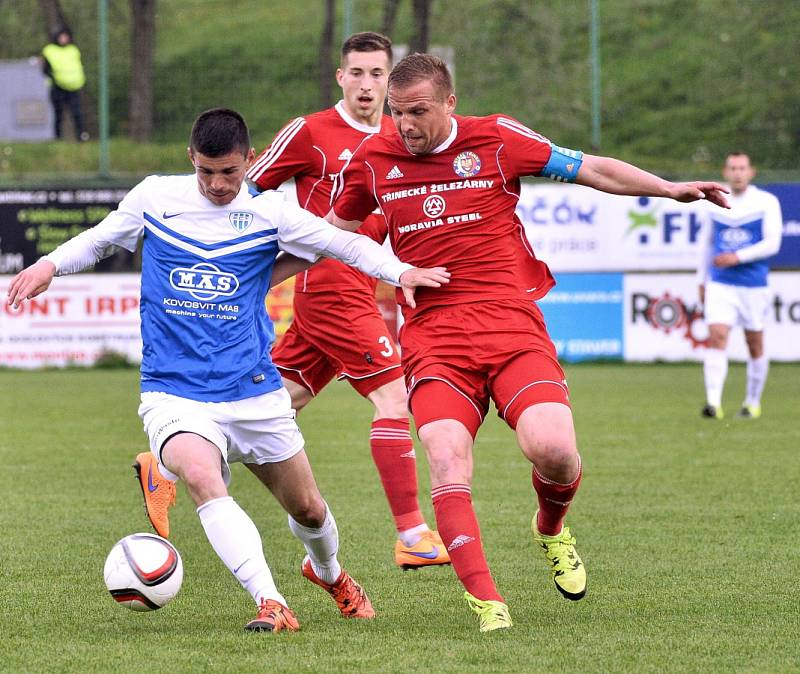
point(563, 164)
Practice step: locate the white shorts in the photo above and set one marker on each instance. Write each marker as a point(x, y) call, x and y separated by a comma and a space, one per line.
point(737, 305)
point(257, 430)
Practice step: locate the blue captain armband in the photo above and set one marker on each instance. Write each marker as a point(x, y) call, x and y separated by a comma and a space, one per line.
point(563, 164)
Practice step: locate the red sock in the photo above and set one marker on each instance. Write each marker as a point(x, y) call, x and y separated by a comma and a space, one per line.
point(393, 454)
point(459, 530)
point(554, 500)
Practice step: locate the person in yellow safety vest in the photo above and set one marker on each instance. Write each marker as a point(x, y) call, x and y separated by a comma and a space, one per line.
point(62, 65)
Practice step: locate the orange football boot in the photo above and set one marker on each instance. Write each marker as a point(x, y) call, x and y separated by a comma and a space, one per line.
point(273, 617)
point(158, 492)
point(349, 595)
point(428, 551)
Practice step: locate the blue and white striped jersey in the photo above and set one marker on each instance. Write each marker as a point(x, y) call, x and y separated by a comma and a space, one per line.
point(206, 270)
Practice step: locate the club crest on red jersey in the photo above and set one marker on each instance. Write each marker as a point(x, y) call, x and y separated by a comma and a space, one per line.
point(467, 164)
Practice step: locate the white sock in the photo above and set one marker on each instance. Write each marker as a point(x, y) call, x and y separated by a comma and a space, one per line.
point(757, 370)
point(236, 540)
point(715, 369)
point(321, 545)
point(411, 537)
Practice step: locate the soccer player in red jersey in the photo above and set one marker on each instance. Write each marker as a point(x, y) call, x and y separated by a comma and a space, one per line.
point(447, 187)
point(337, 329)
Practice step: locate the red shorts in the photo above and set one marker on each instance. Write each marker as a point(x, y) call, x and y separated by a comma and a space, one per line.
point(337, 337)
point(456, 359)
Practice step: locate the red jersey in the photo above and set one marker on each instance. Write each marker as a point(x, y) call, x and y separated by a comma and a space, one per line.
point(312, 150)
point(454, 207)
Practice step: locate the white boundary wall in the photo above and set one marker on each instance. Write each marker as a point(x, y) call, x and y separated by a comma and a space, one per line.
point(74, 322)
point(662, 319)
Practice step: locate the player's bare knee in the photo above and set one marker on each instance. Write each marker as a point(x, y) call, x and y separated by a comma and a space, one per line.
point(552, 450)
point(717, 336)
point(308, 510)
point(448, 470)
point(559, 463)
point(755, 343)
point(203, 485)
point(546, 436)
point(718, 343)
point(199, 475)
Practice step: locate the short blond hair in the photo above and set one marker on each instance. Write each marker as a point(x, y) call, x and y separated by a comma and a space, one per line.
point(416, 67)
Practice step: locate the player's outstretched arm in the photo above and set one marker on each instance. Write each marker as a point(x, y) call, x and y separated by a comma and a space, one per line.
point(288, 265)
point(309, 237)
point(411, 279)
point(361, 252)
point(618, 177)
point(30, 282)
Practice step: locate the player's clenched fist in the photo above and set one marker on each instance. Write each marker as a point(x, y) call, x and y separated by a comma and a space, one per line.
point(30, 282)
point(434, 277)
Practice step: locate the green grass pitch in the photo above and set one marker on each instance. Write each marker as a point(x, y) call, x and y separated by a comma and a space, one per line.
point(689, 528)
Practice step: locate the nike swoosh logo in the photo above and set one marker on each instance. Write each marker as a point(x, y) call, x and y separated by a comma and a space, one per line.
point(433, 554)
point(167, 216)
point(150, 486)
point(236, 570)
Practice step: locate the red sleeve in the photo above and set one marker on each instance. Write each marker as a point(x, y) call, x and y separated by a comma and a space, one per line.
point(353, 198)
point(525, 152)
point(288, 155)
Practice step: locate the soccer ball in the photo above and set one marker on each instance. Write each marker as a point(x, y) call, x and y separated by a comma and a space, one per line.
point(143, 572)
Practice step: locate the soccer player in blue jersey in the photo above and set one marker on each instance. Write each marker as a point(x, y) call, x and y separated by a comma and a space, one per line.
point(210, 393)
point(733, 282)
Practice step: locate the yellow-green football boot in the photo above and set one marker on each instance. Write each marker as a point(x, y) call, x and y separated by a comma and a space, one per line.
point(494, 615)
point(712, 412)
point(749, 412)
point(568, 571)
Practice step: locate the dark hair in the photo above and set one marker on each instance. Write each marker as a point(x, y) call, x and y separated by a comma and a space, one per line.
point(218, 132)
point(365, 42)
point(60, 32)
point(416, 67)
point(738, 153)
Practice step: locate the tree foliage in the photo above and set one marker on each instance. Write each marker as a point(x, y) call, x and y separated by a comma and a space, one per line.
point(683, 81)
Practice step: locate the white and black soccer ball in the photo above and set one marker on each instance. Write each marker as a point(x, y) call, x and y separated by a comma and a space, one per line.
point(143, 572)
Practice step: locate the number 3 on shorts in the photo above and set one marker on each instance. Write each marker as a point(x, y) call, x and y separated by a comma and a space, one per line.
point(388, 346)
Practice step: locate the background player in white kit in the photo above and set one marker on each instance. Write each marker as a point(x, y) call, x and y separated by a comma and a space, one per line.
point(733, 282)
point(210, 394)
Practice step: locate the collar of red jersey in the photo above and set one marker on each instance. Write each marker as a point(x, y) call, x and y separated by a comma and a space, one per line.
point(447, 142)
point(358, 126)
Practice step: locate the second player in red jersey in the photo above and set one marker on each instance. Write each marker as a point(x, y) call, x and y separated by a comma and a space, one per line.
point(312, 150)
point(448, 187)
point(338, 330)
